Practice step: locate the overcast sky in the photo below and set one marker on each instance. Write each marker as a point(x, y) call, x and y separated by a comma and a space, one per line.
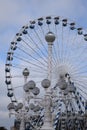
point(16, 13)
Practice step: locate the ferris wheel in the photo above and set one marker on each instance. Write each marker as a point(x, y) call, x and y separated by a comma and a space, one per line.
point(53, 48)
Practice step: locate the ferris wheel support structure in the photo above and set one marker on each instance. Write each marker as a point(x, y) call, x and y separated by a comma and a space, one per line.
point(48, 52)
point(48, 123)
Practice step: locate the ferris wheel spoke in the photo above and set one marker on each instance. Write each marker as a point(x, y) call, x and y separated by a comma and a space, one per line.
point(15, 66)
point(70, 42)
point(80, 54)
point(82, 81)
point(55, 55)
point(20, 66)
point(83, 50)
point(83, 77)
point(67, 42)
point(40, 76)
point(59, 42)
point(40, 41)
point(41, 51)
point(81, 72)
point(48, 27)
point(16, 76)
point(33, 49)
point(42, 30)
point(76, 57)
point(27, 53)
point(74, 39)
point(27, 61)
point(82, 85)
point(78, 42)
point(40, 63)
point(38, 71)
point(82, 61)
point(44, 54)
point(67, 48)
point(18, 87)
point(44, 45)
point(57, 46)
point(62, 44)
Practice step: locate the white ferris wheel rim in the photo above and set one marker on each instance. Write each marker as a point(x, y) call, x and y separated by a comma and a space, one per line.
point(29, 49)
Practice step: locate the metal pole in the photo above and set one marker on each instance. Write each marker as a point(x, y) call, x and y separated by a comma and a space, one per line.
point(22, 125)
point(50, 61)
